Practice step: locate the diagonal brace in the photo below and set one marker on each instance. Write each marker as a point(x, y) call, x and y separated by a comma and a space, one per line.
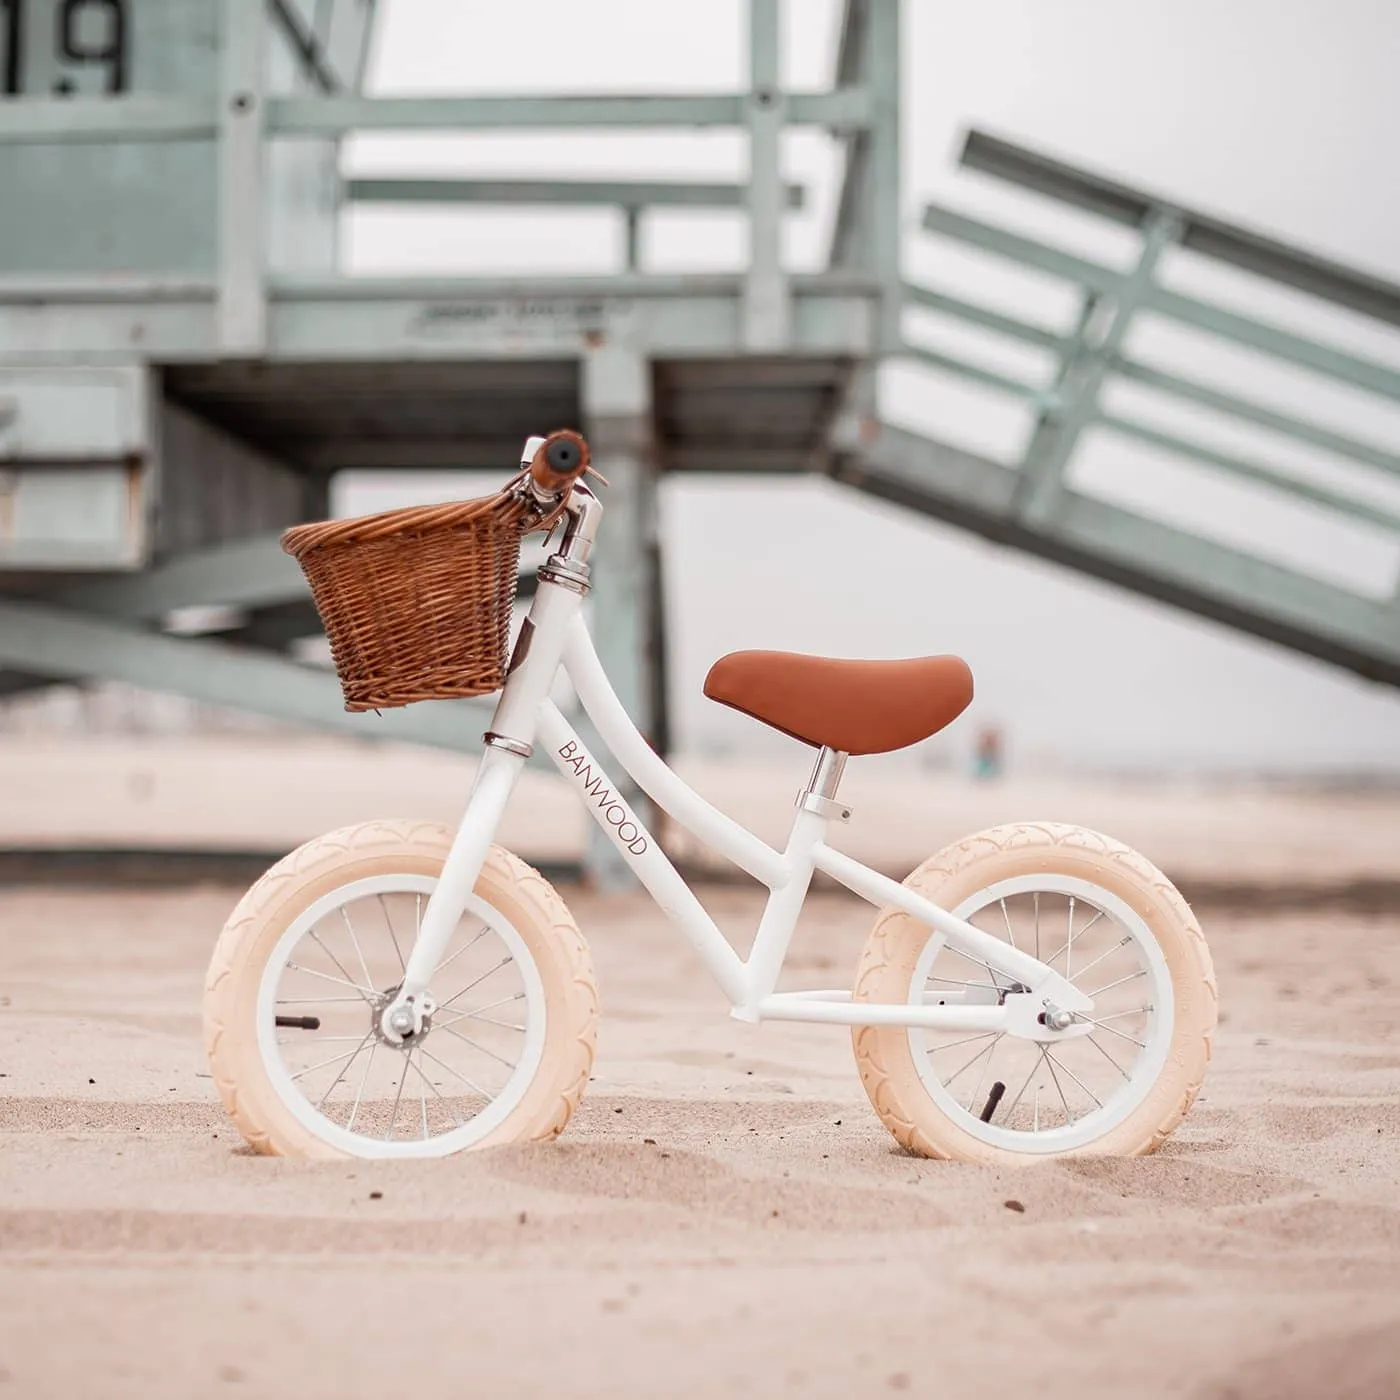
point(1085, 367)
point(52, 641)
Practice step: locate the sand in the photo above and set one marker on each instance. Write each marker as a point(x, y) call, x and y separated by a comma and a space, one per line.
point(725, 1216)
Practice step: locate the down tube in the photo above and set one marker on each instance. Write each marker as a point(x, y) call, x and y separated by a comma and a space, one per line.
point(644, 856)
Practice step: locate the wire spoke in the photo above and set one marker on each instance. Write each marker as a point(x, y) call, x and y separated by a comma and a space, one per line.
point(394, 1116)
point(466, 947)
point(982, 1078)
point(320, 1039)
point(1050, 1055)
point(986, 1049)
point(1131, 977)
point(492, 1021)
point(345, 971)
point(1112, 1030)
point(314, 1001)
point(1118, 1015)
point(987, 967)
point(1055, 1079)
point(1035, 900)
point(509, 1064)
point(489, 972)
point(368, 1036)
point(957, 982)
point(475, 1087)
point(419, 1071)
point(1108, 1057)
point(360, 1092)
point(953, 1044)
point(1021, 1092)
point(1007, 918)
point(326, 977)
point(360, 952)
point(476, 1013)
point(1080, 934)
point(1122, 943)
point(335, 1059)
point(393, 937)
point(422, 1100)
point(1069, 942)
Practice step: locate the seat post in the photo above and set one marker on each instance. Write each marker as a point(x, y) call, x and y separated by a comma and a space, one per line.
point(819, 796)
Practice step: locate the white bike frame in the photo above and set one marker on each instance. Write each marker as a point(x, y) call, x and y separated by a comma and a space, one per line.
point(555, 635)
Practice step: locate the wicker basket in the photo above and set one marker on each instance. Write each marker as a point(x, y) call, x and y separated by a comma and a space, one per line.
point(416, 603)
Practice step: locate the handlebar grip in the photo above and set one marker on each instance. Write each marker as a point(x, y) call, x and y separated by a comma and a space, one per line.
point(559, 461)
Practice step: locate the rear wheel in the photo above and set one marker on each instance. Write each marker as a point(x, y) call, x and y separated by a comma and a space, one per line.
point(1118, 1079)
point(315, 952)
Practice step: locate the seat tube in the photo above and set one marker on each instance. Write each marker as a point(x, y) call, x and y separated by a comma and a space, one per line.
point(816, 808)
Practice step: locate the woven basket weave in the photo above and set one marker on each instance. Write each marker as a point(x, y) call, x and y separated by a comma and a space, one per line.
point(416, 603)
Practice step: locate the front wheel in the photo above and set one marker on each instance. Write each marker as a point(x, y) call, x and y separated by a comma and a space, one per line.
point(1124, 1074)
point(315, 952)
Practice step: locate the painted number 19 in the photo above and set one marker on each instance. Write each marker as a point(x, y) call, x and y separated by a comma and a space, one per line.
point(85, 32)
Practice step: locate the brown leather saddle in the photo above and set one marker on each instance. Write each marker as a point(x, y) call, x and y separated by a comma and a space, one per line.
point(858, 707)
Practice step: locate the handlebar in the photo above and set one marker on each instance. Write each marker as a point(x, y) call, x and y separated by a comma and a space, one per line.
point(558, 462)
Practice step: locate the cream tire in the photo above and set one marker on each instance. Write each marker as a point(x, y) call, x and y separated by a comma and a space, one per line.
point(559, 973)
point(1021, 857)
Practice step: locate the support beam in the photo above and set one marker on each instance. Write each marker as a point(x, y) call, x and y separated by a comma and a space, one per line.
point(247, 573)
point(625, 599)
point(767, 301)
point(253, 575)
point(1286, 483)
point(850, 233)
point(977, 374)
point(305, 44)
point(1200, 233)
point(1156, 560)
point(1085, 367)
point(276, 627)
point(1139, 372)
point(84, 120)
point(866, 231)
point(320, 318)
point(1189, 311)
point(632, 238)
point(839, 110)
point(242, 311)
point(927, 299)
point(886, 199)
point(60, 642)
point(1261, 414)
point(625, 194)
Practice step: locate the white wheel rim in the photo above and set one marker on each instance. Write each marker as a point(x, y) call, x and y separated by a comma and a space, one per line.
point(1118, 1104)
point(501, 1103)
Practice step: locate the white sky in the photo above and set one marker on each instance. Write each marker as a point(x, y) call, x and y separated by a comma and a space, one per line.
point(1275, 113)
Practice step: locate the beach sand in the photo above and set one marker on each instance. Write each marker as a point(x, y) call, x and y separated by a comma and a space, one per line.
point(725, 1215)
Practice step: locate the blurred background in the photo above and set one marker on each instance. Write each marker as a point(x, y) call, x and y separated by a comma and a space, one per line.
point(898, 329)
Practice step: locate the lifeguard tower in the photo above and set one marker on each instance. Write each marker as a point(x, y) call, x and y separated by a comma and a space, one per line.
point(184, 367)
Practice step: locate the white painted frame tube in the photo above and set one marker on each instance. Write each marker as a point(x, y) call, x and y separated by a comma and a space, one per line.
point(967, 938)
point(557, 636)
point(637, 757)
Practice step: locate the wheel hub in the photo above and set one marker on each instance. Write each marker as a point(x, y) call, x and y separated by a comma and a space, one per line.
point(393, 1026)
